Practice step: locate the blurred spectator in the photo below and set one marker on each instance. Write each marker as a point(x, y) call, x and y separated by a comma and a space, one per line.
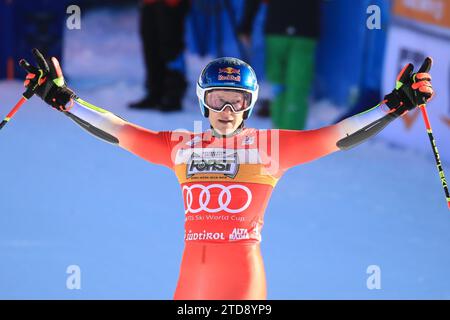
point(162, 33)
point(291, 29)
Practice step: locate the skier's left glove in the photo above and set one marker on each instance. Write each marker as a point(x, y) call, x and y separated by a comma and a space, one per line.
point(47, 81)
point(412, 89)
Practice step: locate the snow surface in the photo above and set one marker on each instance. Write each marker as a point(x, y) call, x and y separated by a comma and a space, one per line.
point(70, 199)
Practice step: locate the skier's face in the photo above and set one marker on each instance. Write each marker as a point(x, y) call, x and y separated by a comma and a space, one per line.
point(226, 121)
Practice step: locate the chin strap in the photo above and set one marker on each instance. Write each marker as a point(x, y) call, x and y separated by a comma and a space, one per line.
point(247, 114)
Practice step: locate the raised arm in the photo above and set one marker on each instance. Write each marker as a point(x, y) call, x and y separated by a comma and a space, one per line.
point(412, 90)
point(151, 145)
point(48, 83)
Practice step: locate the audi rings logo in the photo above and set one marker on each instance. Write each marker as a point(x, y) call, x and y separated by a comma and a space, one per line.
point(224, 198)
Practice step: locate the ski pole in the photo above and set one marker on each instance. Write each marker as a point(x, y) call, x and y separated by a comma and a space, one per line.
point(12, 112)
point(426, 66)
point(435, 152)
point(25, 96)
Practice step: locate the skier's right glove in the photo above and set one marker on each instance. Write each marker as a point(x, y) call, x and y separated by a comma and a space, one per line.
point(47, 82)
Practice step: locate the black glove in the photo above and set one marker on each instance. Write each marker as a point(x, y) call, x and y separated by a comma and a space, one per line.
point(47, 81)
point(412, 89)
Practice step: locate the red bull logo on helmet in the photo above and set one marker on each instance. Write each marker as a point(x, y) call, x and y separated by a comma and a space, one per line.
point(229, 74)
point(229, 70)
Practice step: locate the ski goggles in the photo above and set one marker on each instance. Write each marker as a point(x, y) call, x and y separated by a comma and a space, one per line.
point(218, 99)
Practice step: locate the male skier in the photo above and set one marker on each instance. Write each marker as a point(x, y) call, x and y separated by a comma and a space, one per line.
point(228, 172)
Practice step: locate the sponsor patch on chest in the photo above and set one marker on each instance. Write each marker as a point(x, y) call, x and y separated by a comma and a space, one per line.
point(215, 161)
